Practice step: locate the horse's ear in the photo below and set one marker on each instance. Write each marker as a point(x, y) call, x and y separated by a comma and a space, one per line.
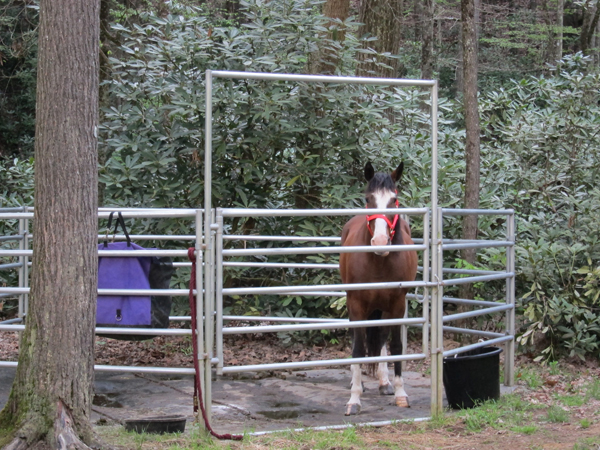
point(397, 174)
point(369, 171)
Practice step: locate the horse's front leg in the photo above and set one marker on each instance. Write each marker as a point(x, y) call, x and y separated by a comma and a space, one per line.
point(385, 387)
point(356, 386)
point(396, 349)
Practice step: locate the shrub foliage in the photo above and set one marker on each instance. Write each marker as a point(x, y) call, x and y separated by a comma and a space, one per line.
point(300, 145)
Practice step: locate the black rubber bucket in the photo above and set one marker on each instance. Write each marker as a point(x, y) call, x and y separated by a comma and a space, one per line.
point(156, 425)
point(472, 377)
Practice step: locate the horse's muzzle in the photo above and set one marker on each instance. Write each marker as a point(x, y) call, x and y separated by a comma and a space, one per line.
point(379, 241)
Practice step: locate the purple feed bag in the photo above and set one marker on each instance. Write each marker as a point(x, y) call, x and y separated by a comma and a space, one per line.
point(123, 273)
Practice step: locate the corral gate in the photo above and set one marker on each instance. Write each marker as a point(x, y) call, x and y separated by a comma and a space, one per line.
point(432, 245)
point(209, 238)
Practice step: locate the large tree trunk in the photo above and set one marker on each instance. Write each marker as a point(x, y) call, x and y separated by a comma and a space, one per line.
point(591, 14)
point(334, 9)
point(472, 126)
point(323, 62)
point(52, 393)
point(381, 19)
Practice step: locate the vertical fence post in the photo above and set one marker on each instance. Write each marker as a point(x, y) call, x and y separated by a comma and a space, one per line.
point(24, 260)
point(426, 277)
point(200, 248)
point(209, 312)
point(208, 241)
point(509, 347)
point(437, 307)
point(436, 264)
point(219, 291)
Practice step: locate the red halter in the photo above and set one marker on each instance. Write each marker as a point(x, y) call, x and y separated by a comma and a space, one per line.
point(391, 224)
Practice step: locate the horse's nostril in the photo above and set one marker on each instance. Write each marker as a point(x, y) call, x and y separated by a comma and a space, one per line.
point(380, 240)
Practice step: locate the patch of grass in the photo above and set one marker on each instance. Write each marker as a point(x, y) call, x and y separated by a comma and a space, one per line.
point(553, 366)
point(531, 377)
point(571, 400)
point(349, 435)
point(475, 422)
point(508, 412)
point(590, 443)
point(526, 429)
point(343, 439)
point(585, 423)
point(196, 439)
point(440, 421)
point(593, 390)
point(514, 402)
point(556, 414)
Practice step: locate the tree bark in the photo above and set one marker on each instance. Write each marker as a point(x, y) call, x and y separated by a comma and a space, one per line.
point(560, 12)
point(381, 19)
point(459, 74)
point(328, 58)
point(591, 14)
point(51, 396)
point(472, 144)
point(597, 44)
point(427, 46)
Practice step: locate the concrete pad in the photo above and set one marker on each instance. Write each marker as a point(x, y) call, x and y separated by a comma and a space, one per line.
point(250, 401)
point(309, 398)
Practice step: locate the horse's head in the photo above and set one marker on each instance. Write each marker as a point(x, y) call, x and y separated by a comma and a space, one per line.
point(381, 193)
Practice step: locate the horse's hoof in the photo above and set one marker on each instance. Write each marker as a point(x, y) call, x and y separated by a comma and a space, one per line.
point(386, 389)
point(402, 402)
point(352, 409)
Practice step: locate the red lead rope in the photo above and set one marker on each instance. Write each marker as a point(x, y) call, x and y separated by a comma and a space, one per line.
point(197, 384)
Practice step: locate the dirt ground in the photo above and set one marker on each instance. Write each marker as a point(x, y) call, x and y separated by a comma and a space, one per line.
point(581, 431)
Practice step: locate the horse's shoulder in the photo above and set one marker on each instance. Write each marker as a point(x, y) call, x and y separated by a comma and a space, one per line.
point(405, 227)
point(353, 224)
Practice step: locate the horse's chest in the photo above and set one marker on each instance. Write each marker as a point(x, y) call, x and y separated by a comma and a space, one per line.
point(376, 273)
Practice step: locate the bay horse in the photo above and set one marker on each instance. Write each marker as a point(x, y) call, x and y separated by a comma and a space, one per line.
point(372, 267)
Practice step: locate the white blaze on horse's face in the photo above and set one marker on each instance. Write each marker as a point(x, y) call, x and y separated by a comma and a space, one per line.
point(381, 230)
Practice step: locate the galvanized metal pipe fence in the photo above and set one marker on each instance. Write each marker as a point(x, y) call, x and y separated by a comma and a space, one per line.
point(212, 255)
point(24, 254)
point(210, 301)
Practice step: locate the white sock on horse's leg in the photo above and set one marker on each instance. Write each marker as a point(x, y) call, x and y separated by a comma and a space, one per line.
point(400, 393)
point(385, 387)
point(353, 405)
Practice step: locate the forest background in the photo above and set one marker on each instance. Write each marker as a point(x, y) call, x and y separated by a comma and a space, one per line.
point(282, 145)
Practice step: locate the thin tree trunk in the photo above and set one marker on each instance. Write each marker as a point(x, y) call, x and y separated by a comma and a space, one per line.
point(459, 74)
point(427, 46)
point(591, 15)
point(51, 396)
point(560, 13)
point(471, 109)
point(597, 44)
point(106, 40)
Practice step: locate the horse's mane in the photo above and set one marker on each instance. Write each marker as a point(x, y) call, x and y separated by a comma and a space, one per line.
point(381, 181)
